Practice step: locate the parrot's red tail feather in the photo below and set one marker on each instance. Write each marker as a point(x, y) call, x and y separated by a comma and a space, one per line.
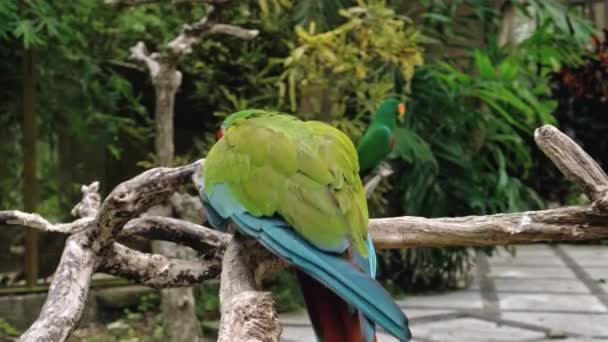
point(331, 317)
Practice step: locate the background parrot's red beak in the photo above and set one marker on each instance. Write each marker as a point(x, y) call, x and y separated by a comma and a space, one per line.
point(401, 109)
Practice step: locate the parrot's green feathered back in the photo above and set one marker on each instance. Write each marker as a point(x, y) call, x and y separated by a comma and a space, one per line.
point(375, 144)
point(306, 172)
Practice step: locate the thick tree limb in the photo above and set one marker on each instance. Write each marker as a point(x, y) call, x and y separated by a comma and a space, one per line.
point(247, 313)
point(67, 294)
point(575, 164)
point(202, 239)
point(133, 197)
point(156, 270)
point(563, 224)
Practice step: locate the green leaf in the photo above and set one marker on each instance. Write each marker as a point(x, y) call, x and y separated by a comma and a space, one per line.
point(27, 32)
point(484, 65)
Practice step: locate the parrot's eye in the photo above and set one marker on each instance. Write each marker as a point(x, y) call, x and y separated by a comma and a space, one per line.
point(220, 134)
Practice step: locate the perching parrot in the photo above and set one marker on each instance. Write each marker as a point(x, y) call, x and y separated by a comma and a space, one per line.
point(377, 142)
point(294, 187)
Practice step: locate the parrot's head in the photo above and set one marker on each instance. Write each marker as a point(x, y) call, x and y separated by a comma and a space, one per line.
point(236, 117)
point(391, 111)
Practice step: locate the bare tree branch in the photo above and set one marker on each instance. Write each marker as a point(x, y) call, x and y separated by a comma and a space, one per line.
point(194, 33)
point(15, 217)
point(384, 170)
point(575, 164)
point(156, 270)
point(247, 313)
point(563, 224)
point(140, 53)
point(202, 239)
point(133, 197)
point(90, 203)
point(67, 294)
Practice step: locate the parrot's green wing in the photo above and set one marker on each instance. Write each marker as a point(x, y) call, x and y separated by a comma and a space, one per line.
point(306, 172)
point(374, 146)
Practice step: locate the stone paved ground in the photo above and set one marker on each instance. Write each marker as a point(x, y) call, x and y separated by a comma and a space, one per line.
point(545, 293)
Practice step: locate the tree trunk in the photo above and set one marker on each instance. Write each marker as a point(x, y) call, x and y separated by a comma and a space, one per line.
point(28, 145)
point(179, 318)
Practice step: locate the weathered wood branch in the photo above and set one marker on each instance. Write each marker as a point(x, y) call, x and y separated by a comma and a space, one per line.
point(202, 239)
point(133, 197)
point(575, 164)
point(90, 203)
point(157, 270)
point(83, 250)
point(247, 314)
point(384, 170)
point(15, 217)
point(563, 224)
point(70, 286)
point(67, 294)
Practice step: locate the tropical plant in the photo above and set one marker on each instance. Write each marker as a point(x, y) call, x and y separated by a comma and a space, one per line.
point(343, 74)
point(466, 146)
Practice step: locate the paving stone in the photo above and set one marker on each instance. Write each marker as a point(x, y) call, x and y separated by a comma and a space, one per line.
point(298, 334)
point(579, 339)
point(584, 249)
point(419, 313)
point(472, 329)
point(527, 260)
point(382, 337)
point(597, 273)
point(534, 249)
point(461, 299)
point(550, 302)
point(540, 285)
point(591, 260)
point(584, 324)
point(295, 318)
point(531, 272)
point(306, 334)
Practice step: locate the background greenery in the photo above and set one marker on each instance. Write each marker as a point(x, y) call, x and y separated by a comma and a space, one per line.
point(472, 102)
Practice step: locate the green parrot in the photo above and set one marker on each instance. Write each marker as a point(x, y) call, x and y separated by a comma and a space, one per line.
point(377, 141)
point(294, 187)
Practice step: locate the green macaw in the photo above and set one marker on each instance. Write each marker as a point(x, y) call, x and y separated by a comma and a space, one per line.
point(294, 187)
point(377, 141)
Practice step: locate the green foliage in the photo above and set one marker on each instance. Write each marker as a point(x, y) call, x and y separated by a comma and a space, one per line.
point(208, 301)
point(34, 22)
point(357, 59)
point(286, 291)
point(7, 330)
point(149, 302)
point(466, 147)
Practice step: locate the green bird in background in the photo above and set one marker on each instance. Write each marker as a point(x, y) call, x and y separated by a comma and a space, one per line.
point(377, 142)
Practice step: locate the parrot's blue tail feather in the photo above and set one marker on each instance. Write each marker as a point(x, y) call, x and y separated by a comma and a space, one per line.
point(355, 287)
